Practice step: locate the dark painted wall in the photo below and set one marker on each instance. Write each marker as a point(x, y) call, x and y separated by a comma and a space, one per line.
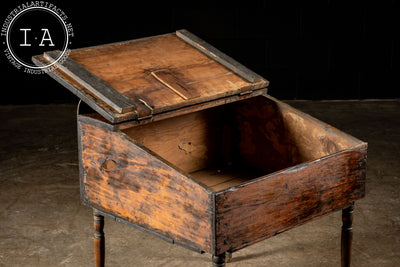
point(319, 50)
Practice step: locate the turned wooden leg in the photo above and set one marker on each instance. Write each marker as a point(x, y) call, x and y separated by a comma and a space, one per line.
point(218, 260)
point(99, 241)
point(347, 235)
point(228, 257)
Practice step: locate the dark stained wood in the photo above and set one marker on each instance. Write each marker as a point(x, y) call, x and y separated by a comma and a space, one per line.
point(275, 203)
point(229, 145)
point(91, 82)
point(347, 236)
point(219, 260)
point(143, 189)
point(222, 58)
point(274, 136)
point(210, 152)
point(167, 239)
point(99, 240)
point(205, 159)
point(186, 110)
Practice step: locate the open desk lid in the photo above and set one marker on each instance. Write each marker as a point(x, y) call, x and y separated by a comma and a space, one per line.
point(144, 77)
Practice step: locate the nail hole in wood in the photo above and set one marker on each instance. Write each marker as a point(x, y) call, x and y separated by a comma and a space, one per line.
point(109, 165)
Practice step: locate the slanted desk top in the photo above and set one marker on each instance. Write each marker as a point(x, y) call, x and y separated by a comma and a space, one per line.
point(138, 78)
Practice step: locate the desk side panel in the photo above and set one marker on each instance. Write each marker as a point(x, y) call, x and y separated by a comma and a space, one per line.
point(142, 188)
point(275, 203)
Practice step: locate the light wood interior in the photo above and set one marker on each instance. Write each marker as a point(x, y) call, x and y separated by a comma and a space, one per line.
point(228, 145)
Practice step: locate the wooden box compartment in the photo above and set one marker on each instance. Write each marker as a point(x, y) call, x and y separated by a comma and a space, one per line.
point(222, 178)
point(183, 141)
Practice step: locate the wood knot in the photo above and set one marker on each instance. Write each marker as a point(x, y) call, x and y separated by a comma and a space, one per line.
point(109, 165)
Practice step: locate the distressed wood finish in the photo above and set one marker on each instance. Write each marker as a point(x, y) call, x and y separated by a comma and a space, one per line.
point(246, 173)
point(168, 53)
point(80, 91)
point(95, 85)
point(273, 136)
point(196, 153)
point(280, 201)
point(182, 89)
point(99, 240)
point(189, 141)
point(347, 236)
point(143, 189)
point(222, 58)
point(154, 75)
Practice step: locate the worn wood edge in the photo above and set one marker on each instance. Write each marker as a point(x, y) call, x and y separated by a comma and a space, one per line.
point(168, 85)
point(190, 109)
point(222, 58)
point(165, 238)
point(95, 122)
point(121, 42)
point(327, 127)
point(164, 161)
point(195, 101)
point(76, 91)
point(182, 240)
point(94, 118)
point(81, 171)
point(91, 82)
point(213, 224)
point(360, 147)
point(111, 127)
point(109, 115)
point(291, 227)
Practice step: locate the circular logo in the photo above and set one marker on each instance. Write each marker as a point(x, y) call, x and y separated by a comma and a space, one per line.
point(32, 29)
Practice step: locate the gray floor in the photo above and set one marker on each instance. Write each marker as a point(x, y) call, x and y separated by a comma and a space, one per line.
point(42, 222)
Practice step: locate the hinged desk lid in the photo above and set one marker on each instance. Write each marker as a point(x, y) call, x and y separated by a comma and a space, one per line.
point(138, 78)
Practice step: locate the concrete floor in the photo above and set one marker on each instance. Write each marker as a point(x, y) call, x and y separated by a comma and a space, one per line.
point(42, 222)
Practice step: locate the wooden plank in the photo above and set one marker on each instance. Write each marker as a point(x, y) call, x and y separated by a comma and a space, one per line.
point(169, 240)
point(222, 58)
point(275, 203)
point(127, 68)
point(93, 83)
point(189, 109)
point(172, 82)
point(329, 129)
point(191, 141)
point(77, 89)
point(143, 189)
point(273, 136)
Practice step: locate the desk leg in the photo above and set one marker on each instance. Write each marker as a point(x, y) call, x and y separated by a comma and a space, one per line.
point(218, 260)
point(99, 241)
point(228, 256)
point(347, 235)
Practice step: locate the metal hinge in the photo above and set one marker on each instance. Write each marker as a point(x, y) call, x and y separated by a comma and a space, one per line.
point(245, 93)
point(145, 118)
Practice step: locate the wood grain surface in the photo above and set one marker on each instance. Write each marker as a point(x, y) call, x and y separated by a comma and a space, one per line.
point(223, 178)
point(127, 67)
point(272, 204)
point(155, 75)
point(143, 189)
